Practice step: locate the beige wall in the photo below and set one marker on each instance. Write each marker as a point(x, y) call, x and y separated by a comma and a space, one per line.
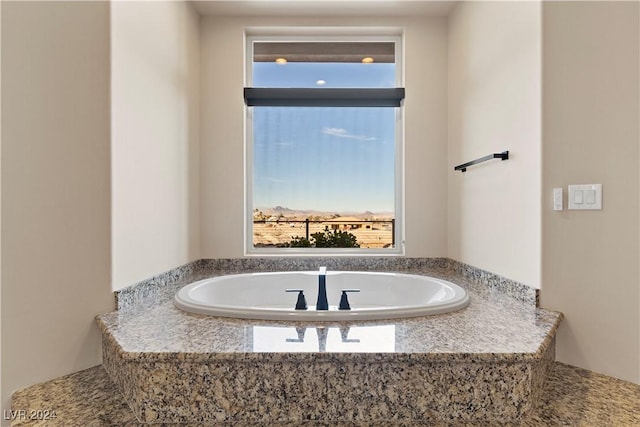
point(494, 105)
point(591, 133)
point(2, 399)
point(222, 164)
point(55, 188)
point(154, 107)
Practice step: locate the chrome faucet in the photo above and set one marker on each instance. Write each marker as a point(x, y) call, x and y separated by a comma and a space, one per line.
point(322, 303)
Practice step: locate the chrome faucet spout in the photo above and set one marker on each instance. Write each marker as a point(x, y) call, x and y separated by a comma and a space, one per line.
point(322, 303)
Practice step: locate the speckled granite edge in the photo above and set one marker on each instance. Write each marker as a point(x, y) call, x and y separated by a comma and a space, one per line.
point(548, 344)
point(155, 288)
point(516, 290)
point(541, 370)
point(147, 289)
point(303, 357)
point(238, 265)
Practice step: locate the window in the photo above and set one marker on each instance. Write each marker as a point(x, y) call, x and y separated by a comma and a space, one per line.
point(324, 147)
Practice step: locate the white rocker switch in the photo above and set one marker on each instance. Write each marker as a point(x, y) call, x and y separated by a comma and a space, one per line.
point(577, 197)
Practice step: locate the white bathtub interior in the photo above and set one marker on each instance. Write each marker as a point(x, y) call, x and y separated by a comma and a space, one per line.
point(263, 296)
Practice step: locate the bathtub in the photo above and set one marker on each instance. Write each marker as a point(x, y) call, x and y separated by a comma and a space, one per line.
point(263, 296)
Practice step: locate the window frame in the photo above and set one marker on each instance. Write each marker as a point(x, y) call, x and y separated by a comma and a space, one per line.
point(390, 95)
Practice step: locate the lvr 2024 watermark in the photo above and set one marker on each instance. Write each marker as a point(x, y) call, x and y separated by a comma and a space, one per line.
point(29, 414)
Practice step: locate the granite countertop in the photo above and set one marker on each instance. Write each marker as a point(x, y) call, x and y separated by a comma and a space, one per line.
point(494, 325)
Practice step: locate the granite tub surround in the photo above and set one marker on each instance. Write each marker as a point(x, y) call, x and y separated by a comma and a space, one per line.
point(571, 397)
point(487, 362)
point(329, 390)
point(158, 287)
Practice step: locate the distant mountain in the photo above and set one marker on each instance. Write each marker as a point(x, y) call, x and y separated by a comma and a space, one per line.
point(281, 209)
point(306, 213)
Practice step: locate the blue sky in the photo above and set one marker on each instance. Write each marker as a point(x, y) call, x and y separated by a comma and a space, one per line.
point(319, 158)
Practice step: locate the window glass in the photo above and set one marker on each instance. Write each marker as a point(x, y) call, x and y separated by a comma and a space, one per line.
point(323, 176)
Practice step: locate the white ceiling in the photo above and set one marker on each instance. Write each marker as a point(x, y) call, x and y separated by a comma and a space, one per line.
point(324, 7)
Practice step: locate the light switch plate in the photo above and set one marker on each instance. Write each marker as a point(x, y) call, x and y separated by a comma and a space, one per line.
point(557, 199)
point(585, 197)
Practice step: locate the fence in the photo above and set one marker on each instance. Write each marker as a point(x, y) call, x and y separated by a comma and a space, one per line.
point(345, 225)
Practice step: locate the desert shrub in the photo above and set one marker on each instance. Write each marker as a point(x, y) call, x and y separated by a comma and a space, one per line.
point(326, 239)
point(298, 242)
